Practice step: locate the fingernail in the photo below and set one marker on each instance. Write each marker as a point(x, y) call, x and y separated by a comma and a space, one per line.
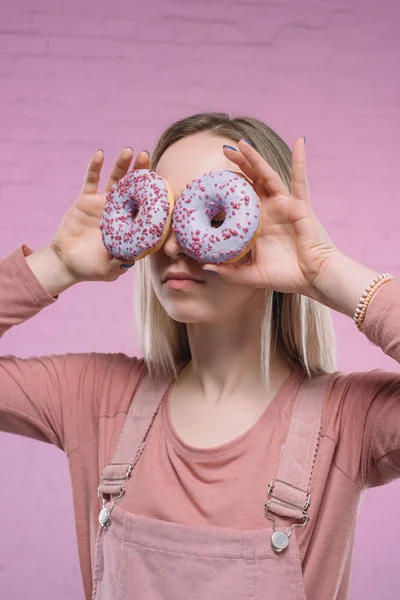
point(147, 152)
point(126, 266)
point(304, 138)
point(209, 270)
point(128, 148)
point(230, 147)
point(100, 150)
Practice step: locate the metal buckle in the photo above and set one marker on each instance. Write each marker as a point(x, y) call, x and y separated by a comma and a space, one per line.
point(280, 539)
point(105, 512)
point(271, 487)
point(127, 474)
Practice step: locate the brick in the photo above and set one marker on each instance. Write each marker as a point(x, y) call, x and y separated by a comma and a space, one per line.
point(90, 47)
point(14, 20)
point(11, 43)
point(63, 24)
point(41, 198)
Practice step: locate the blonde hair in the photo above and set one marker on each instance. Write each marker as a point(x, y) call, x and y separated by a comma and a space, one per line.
point(302, 325)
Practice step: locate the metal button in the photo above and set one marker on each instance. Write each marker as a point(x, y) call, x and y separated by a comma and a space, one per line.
point(279, 541)
point(105, 517)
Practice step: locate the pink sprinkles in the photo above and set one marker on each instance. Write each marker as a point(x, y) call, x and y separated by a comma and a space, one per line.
point(135, 214)
point(201, 201)
point(137, 211)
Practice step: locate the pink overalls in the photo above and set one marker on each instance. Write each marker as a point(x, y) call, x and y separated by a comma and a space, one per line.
point(142, 558)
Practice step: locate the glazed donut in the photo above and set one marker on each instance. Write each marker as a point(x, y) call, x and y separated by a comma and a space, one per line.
point(137, 215)
point(198, 204)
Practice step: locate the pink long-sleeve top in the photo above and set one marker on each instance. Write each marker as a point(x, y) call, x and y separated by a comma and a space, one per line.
point(79, 402)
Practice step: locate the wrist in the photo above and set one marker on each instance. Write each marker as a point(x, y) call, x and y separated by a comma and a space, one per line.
point(342, 283)
point(50, 271)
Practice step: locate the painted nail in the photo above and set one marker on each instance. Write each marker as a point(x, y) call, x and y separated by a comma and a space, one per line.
point(249, 142)
point(100, 150)
point(147, 152)
point(304, 138)
point(126, 266)
point(128, 148)
point(230, 147)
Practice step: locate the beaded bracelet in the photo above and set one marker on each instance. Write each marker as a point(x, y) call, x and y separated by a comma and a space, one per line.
point(366, 297)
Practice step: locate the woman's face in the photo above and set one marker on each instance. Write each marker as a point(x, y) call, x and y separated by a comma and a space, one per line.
point(210, 298)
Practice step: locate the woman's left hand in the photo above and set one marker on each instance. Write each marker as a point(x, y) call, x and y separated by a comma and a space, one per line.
point(293, 249)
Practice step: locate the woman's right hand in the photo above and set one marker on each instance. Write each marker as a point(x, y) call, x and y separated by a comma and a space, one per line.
point(77, 247)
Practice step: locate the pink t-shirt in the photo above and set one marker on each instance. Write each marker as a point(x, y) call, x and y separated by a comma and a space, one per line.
point(79, 402)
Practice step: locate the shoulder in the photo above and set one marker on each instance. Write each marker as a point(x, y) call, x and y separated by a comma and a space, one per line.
point(355, 392)
point(361, 415)
point(97, 386)
point(96, 369)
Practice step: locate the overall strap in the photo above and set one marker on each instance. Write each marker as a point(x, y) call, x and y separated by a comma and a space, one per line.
point(132, 440)
point(289, 490)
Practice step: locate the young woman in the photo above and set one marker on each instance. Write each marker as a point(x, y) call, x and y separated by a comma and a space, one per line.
point(230, 460)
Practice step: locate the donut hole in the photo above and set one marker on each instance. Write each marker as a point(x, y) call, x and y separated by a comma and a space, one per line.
point(218, 219)
point(134, 208)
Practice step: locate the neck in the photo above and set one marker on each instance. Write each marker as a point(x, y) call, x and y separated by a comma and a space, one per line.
point(226, 356)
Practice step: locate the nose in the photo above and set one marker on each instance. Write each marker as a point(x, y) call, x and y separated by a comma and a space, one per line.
point(171, 246)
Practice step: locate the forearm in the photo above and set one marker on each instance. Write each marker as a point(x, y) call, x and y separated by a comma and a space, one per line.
point(50, 271)
point(21, 294)
point(343, 282)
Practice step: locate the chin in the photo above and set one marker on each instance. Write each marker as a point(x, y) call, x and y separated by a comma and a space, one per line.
point(190, 312)
point(191, 317)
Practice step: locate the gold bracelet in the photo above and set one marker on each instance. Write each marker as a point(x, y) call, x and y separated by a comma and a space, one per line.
point(366, 297)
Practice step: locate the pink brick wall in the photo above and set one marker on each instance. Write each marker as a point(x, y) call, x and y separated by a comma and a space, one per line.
point(76, 76)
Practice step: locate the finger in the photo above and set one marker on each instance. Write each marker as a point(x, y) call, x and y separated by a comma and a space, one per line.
point(120, 168)
point(142, 160)
point(264, 172)
point(237, 157)
point(92, 175)
point(299, 171)
point(126, 266)
point(121, 265)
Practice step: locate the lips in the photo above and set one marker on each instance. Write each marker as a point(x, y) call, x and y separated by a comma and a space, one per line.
point(180, 275)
